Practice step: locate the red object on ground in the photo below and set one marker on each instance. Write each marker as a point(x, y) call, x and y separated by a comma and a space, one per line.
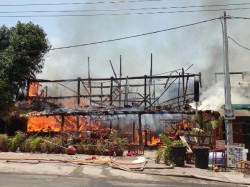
point(71, 150)
point(131, 153)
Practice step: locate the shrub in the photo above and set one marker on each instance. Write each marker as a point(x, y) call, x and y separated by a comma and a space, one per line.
point(3, 142)
point(16, 141)
point(35, 144)
point(26, 146)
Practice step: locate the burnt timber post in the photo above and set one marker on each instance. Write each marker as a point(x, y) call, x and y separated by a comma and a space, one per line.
point(77, 122)
point(183, 86)
point(89, 82)
point(111, 91)
point(78, 91)
point(133, 127)
point(139, 129)
point(145, 91)
point(78, 100)
point(101, 92)
point(179, 83)
point(120, 80)
point(28, 87)
point(62, 123)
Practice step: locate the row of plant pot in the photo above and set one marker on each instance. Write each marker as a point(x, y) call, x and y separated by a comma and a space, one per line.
point(24, 143)
point(95, 150)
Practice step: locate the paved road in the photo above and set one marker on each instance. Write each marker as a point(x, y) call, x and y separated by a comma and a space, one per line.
point(28, 180)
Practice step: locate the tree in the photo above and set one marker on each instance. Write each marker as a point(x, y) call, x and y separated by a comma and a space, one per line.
point(22, 50)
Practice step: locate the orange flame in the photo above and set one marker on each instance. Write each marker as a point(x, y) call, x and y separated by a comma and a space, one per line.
point(33, 89)
point(43, 123)
point(54, 123)
point(154, 140)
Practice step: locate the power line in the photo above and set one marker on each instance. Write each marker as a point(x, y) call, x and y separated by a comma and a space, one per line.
point(124, 1)
point(123, 13)
point(135, 36)
point(126, 9)
point(128, 37)
point(77, 3)
point(238, 43)
point(233, 17)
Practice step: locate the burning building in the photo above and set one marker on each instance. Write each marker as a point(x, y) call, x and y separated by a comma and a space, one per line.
point(133, 106)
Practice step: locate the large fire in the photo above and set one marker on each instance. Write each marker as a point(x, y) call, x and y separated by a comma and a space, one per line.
point(54, 123)
point(43, 124)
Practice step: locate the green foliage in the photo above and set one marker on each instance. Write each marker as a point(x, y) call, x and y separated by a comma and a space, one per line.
point(27, 144)
point(178, 143)
point(16, 141)
point(45, 145)
point(35, 144)
point(56, 144)
point(164, 152)
point(3, 142)
point(205, 123)
point(121, 142)
point(22, 53)
point(101, 146)
point(216, 123)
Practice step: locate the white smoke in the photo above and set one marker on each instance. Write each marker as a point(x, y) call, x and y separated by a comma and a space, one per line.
point(201, 45)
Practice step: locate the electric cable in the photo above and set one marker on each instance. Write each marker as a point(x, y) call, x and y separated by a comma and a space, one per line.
point(77, 3)
point(127, 9)
point(135, 36)
point(123, 38)
point(120, 14)
point(238, 43)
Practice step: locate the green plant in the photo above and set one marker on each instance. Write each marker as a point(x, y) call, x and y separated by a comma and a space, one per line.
point(178, 143)
point(35, 144)
point(16, 141)
point(3, 142)
point(121, 143)
point(204, 123)
point(163, 152)
point(26, 146)
point(45, 145)
point(80, 148)
point(56, 144)
point(101, 146)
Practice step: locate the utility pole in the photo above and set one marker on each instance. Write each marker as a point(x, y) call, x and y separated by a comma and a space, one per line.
point(228, 112)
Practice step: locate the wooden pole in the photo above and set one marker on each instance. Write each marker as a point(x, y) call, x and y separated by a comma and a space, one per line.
point(140, 129)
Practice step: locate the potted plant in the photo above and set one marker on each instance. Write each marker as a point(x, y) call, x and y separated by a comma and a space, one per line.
point(91, 149)
point(203, 125)
point(80, 148)
point(172, 152)
point(163, 153)
point(120, 146)
point(86, 148)
point(100, 147)
point(3, 143)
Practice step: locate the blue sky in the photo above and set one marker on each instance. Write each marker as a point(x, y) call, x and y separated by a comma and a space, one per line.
point(200, 45)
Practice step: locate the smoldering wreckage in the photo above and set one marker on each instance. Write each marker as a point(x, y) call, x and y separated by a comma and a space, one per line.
point(111, 113)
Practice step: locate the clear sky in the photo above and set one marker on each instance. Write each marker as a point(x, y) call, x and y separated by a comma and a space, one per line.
point(200, 45)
